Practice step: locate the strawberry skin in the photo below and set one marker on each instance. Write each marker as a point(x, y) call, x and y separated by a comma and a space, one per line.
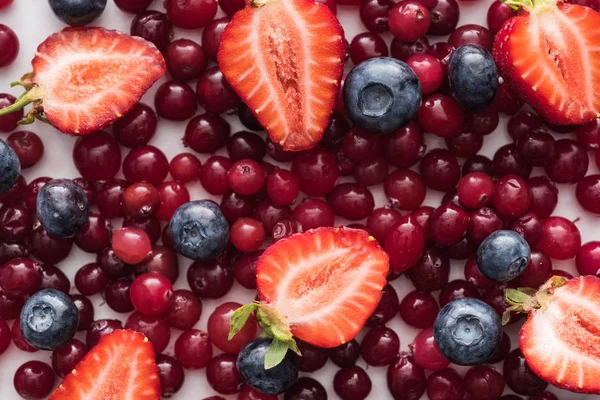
point(550, 55)
point(120, 367)
point(89, 77)
point(285, 60)
point(561, 344)
point(325, 283)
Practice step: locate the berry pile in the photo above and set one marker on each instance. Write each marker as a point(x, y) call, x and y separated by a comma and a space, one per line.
point(361, 148)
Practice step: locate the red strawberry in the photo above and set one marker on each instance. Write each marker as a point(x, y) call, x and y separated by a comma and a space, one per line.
point(85, 78)
point(320, 286)
point(551, 55)
point(285, 59)
point(120, 367)
point(561, 337)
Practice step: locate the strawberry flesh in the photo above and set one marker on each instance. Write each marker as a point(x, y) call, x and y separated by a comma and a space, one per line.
point(562, 343)
point(120, 367)
point(552, 58)
point(325, 282)
point(285, 60)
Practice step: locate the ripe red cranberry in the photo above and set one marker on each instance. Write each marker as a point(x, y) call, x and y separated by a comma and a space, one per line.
point(405, 378)
point(211, 36)
point(175, 101)
point(133, 6)
point(537, 272)
point(474, 276)
point(345, 355)
point(268, 214)
point(379, 346)
point(172, 195)
point(235, 206)
point(361, 146)
point(386, 309)
point(569, 163)
point(507, 101)
point(31, 191)
point(409, 20)
point(482, 122)
point(101, 328)
point(419, 309)
point(97, 157)
point(246, 177)
point(20, 277)
point(151, 226)
point(441, 115)
point(206, 133)
point(484, 383)
point(352, 384)
point(191, 14)
point(445, 384)
point(151, 293)
point(522, 123)
point(141, 200)
point(444, 17)
point(472, 34)
point(512, 196)
point(86, 311)
point(404, 243)
point(185, 167)
point(244, 269)
point(222, 374)
point(90, 279)
point(426, 353)
point(372, 172)
point(405, 189)
point(519, 377)
point(246, 144)
point(529, 226)
point(317, 171)
point(365, 46)
point(210, 279)
point(373, 14)
point(28, 146)
point(10, 121)
point(95, 235)
point(218, 327)
point(478, 163)
point(429, 71)
point(16, 193)
point(501, 351)
point(170, 373)
point(15, 223)
point(508, 161)
point(588, 193)
point(18, 339)
point(153, 26)
point(117, 296)
point(588, 259)
point(137, 127)
point(131, 245)
point(54, 278)
point(465, 144)
point(185, 310)
point(447, 224)
point(431, 271)
point(283, 187)
point(457, 289)
point(214, 93)
point(560, 239)
point(313, 213)
point(185, 59)
point(146, 163)
point(155, 328)
point(475, 190)
point(48, 249)
point(67, 357)
point(10, 45)
point(112, 266)
point(247, 234)
point(351, 201)
point(380, 221)
point(544, 196)
point(537, 147)
point(440, 170)
point(407, 141)
point(588, 135)
point(404, 50)
point(34, 380)
point(498, 14)
point(109, 198)
point(193, 349)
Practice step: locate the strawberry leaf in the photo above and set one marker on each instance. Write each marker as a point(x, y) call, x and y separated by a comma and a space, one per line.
point(515, 297)
point(239, 318)
point(276, 353)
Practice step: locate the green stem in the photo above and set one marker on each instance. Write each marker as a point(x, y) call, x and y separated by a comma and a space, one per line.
point(26, 98)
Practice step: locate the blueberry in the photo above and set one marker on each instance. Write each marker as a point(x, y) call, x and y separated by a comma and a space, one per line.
point(49, 319)
point(77, 12)
point(503, 256)
point(62, 208)
point(473, 77)
point(199, 230)
point(10, 167)
point(467, 331)
point(273, 381)
point(382, 95)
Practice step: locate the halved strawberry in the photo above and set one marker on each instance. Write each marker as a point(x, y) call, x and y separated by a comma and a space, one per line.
point(285, 59)
point(561, 337)
point(85, 78)
point(551, 56)
point(120, 367)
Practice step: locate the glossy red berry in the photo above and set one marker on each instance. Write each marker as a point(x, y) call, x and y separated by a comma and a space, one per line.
point(426, 353)
point(131, 245)
point(475, 190)
point(218, 327)
point(34, 380)
point(512, 196)
point(185, 59)
point(151, 293)
point(560, 238)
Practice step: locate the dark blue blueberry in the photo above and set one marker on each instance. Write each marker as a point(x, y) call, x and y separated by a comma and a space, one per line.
point(199, 230)
point(467, 331)
point(382, 95)
point(10, 167)
point(62, 208)
point(273, 381)
point(473, 77)
point(503, 256)
point(77, 12)
point(49, 319)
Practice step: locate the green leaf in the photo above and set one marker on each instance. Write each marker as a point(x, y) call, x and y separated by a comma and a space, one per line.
point(276, 353)
point(239, 318)
point(515, 297)
point(294, 347)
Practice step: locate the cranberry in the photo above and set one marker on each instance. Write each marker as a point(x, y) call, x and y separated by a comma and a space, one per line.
point(569, 163)
point(15, 223)
point(16, 193)
point(170, 373)
point(155, 328)
point(219, 326)
point(246, 144)
point(214, 93)
point(305, 388)
point(501, 351)
point(313, 213)
point(441, 115)
point(374, 14)
point(472, 34)
point(175, 101)
point(153, 26)
point(379, 346)
point(109, 198)
point(482, 122)
point(345, 164)
point(173, 195)
point(484, 383)
point(137, 127)
point(211, 36)
point(97, 157)
point(588, 259)
point(146, 163)
point(457, 289)
point(352, 383)
point(405, 189)
point(498, 14)
point(409, 20)
point(474, 276)
point(99, 329)
point(529, 226)
point(445, 384)
point(361, 146)
point(95, 236)
point(117, 295)
point(151, 293)
point(523, 123)
point(268, 214)
point(345, 355)
point(507, 101)
point(28, 146)
point(544, 196)
point(475, 190)
point(185, 310)
point(230, 7)
point(404, 243)
point(442, 51)
point(112, 266)
point(222, 374)
point(386, 309)
point(283, 187)
point(133, 6)
point(185, 59)
point(86, 311)
point(508, 161)
point(313, 358)
point(351, 201)
point(191, 14)
point(245, 269)
point(404, 50)
point(447, 224)
point(588, 135)
point(150, 226)
point(426, 353)
point(419, 309)
point(206, 133)
point(18, 339)
point(519, 377)
point(48, 249)
point(407, 141)
point(372, 172)
point(560, 239)
point(512, 196)
point(537, 147)
point(588, 193)
point(444, 17)
point(465, 144)
point(34, 380)
point(440, 170)
point(380, 221)
point(247, 234)
point(365, 46)
point(141, 200)
point(90, 279)
point(537, 272)
point(234, 206)
point(210, 279)
point(31, 191)
point(185, 167)
point(20, 277)
point(317, 171)
point(67, 357)
point(422, 215)
point(246, 177)
point(478, 163)
point(405, 378)
point(131, 245)
point(431, 271)
point(10, 45)
point(249, 121)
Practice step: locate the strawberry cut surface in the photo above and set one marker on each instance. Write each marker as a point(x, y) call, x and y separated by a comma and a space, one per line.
point(325, 282)
point(285, 61)
point(551, 55)
point(561, 343)
point(120, 367)
point(89, 77)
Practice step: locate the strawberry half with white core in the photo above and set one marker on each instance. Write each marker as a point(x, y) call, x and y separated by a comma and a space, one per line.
point(285, 59)
point(120, 367)
point(561, 337)
point(551, 56)
point(320, 286)
point(85, 78)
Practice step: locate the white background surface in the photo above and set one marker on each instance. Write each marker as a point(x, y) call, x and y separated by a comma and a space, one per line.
point(33, 21)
